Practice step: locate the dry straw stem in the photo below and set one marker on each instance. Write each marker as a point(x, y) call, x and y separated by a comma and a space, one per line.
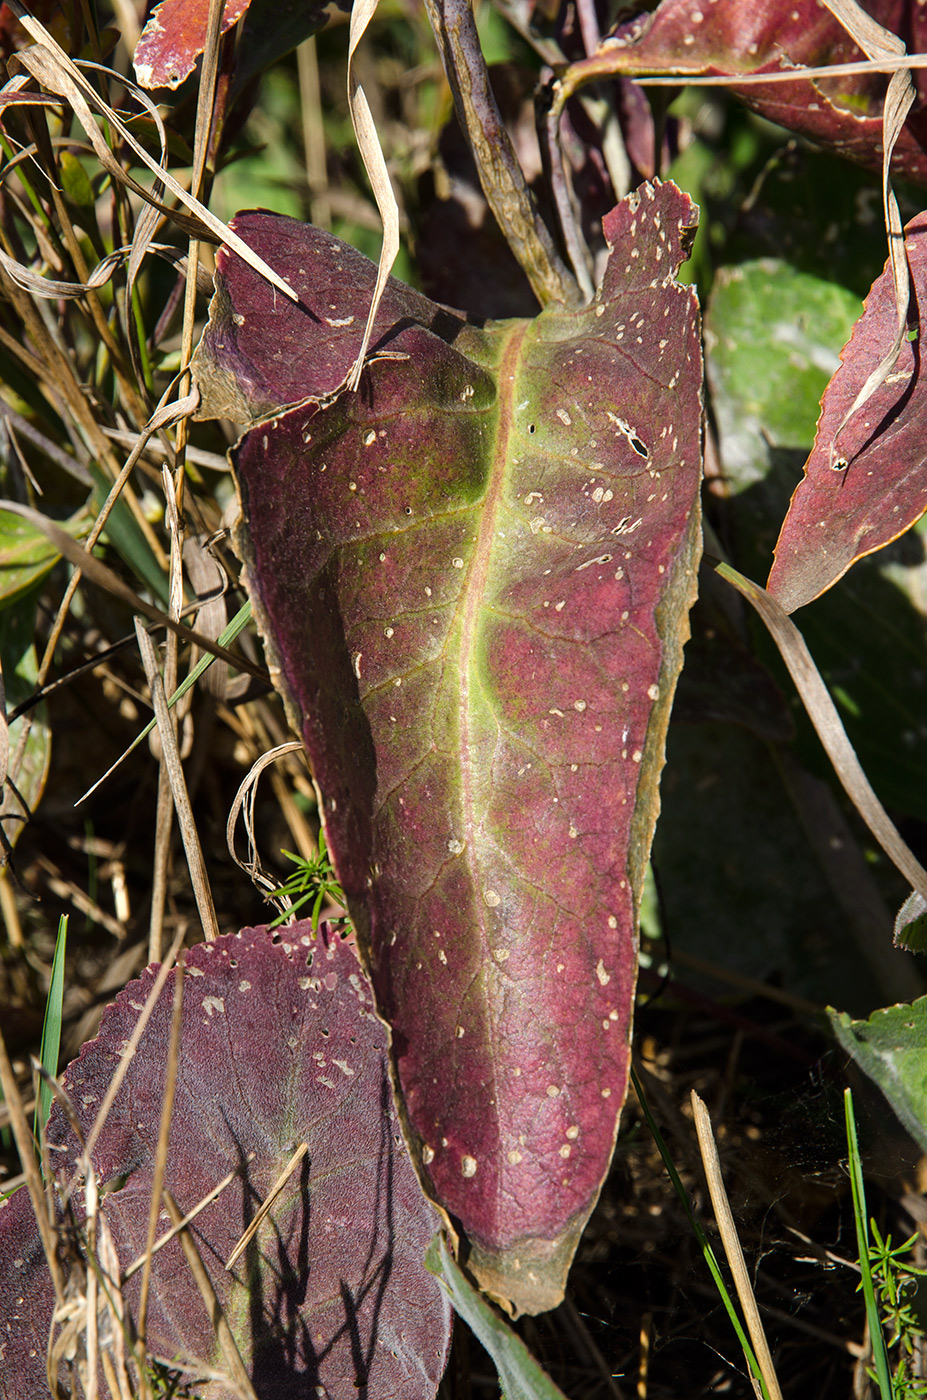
point(115, 1083)
point(823, 715)
point(238, 1376)
point(188, 832)
point(732, 1247)
point(368, 144)
point(164, 809)
point(190, 1216)
point(205, 105)
point(265, 1209)
point(104, 577)
point(163, 416)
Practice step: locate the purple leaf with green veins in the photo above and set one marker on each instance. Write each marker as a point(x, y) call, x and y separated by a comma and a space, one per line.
point(474, 578)
point(279, 1045)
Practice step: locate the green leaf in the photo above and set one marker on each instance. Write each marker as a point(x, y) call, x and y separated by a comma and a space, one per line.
point(29, 736)
point(520, 1376)
point(772, 339)
point(26, 553)
point(891, 1047)
point(911, 924)
point(74, 181)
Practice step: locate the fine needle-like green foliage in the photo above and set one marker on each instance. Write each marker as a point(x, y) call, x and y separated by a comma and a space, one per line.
point(895, 1282)
point(312, 882)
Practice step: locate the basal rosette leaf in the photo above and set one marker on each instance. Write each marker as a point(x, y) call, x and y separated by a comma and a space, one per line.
point(865, 487)
point(279, 1045)
point(473, 578)
point(734, 37)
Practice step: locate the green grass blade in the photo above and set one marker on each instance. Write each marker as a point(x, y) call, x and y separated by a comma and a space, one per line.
point(51, 1029)
point(710, 1258)
point(879, 1354)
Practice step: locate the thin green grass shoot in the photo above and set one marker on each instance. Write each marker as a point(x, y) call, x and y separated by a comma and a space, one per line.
point(51, 1029)
point(877, 1340)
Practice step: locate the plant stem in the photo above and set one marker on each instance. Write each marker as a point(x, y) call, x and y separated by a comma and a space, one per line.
point(501, 175)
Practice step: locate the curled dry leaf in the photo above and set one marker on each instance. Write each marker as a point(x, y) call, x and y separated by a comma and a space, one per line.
point(855, 502)
point(473, 578)
point(279, 1045)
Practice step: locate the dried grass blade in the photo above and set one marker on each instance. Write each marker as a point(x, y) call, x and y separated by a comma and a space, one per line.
point(893, 64)
point(108, 1264)
point(160, 1162)
point(188, 832)
point(30, 1167)
point(165, 804)
point(879, 42)
point(62, 73)
point(732, 1249)
point(238, 1375)
point(243, 803)
point(368, 144)
point(265, 1209)
point(229, 633)
point(91, 1331)
point(191, 1215)
point(104, 577)
point(115, 1083)
point(823, 715)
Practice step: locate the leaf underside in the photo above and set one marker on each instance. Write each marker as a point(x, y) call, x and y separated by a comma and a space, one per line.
point(864, 489)
point(733, 37)
point(331, 1297)
point(473, 578)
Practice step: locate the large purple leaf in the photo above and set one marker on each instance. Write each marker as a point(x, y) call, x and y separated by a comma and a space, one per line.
point(279, 1045)
point(474, 578)
point(733, 37)
point(867, 487)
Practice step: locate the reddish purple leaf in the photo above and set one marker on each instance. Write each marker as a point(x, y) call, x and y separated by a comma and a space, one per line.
point(877, 485)
point(175, 36)
point(730, 37)
point(279, 1045)
point(474, 579)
